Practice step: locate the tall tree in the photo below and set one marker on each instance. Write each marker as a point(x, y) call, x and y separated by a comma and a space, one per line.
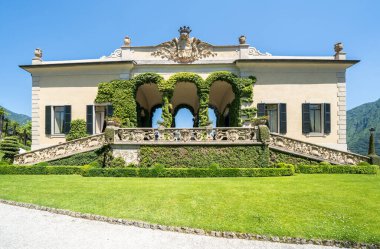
point(2, 118)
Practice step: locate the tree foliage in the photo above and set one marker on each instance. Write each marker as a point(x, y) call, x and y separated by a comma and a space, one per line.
point(77, 130)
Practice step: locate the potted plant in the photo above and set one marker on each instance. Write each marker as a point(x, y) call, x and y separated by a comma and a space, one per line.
point(263, 120)
point(113, 121)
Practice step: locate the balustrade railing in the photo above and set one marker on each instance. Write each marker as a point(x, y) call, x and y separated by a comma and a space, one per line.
point(61, 150)
point(232, 135)
point(314, 151)
point(188, 135)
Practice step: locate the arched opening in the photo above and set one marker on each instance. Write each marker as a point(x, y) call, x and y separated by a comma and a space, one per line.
point(221, 97)
point(213, 115)
point(147, 97)
point(184, 117)
point(185, 96)
point(155, 117)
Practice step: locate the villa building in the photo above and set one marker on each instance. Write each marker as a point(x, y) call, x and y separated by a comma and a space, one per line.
point(304, 97)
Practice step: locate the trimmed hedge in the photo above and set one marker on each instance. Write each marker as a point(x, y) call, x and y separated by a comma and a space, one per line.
point(39, 170)
point(336, 169)
point(200, 156)
point(187, 172)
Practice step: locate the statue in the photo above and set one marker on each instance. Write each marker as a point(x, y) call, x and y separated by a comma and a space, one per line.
point(127, 41)
point(242, 39)
point(37, 54)
point(184, 49)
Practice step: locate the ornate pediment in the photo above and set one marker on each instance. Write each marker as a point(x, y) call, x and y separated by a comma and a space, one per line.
point(184, 49)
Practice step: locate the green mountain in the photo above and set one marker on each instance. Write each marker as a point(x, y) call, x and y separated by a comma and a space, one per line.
point(19, 118)
point(359, 120)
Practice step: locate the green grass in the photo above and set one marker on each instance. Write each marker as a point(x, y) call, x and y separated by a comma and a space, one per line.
point(343, 207)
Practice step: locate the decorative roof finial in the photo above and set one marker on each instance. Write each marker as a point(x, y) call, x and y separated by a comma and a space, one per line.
point(127, 41)
point(339, 54)
point(37, 54)
point(338, 47)
point(242, 39)
point(184, 29)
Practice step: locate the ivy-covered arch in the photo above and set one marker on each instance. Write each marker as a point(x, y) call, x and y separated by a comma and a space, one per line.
point(231, 79)
point(122, 95)
point(202, 91)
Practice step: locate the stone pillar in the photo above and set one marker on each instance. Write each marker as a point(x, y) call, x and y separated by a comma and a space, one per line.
point(341, 111)
point(36, 113)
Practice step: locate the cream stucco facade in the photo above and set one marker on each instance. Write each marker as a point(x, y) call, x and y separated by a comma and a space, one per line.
point(292, 80)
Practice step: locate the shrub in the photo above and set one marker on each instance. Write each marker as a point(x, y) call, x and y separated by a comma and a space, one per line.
point(9, 147)
point(159, 171)
point(94, 164)
point(78, 130)
point(336, 169)
point(363, 164)
point(117, 162)
point(38, 170)
point(324, 163)
point(42, 164)
point(214, 166)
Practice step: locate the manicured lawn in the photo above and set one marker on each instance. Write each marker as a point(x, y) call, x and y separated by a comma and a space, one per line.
point(344, 207)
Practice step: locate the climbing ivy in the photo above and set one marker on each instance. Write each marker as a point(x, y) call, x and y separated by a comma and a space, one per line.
point(122, 95)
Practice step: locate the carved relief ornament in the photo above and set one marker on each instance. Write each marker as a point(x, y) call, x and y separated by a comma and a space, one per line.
point(184, 49)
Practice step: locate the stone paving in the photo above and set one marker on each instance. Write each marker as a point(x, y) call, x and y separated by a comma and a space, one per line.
point(27, 228)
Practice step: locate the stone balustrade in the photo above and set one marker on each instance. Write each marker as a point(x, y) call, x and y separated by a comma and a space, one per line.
point(232, 135)
point(61, 150)
point(314, 151)
point(188, 135)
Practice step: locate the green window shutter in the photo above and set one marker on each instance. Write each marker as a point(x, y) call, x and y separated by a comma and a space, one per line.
point(283, 124)
point(67, 121)
point(327, 118)
point(48, 120)
point(305, 118)
point(89, 119)
point(260, 109)
point(109, 110)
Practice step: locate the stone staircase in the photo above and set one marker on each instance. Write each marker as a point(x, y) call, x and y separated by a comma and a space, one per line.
point(173, 136)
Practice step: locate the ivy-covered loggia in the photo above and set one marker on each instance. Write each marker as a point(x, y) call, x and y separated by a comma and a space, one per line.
point(122, 94)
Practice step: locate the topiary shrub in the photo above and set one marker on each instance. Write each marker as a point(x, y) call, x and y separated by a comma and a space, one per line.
point(117, 162)
point(9, 147)
point(78, 130)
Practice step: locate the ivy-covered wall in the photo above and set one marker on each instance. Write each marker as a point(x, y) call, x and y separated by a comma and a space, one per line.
point(122, 95)
point(202, 156)
point(282, 157)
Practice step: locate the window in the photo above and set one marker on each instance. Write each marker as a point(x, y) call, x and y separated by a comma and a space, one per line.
point(271, 110)
point(100, 113)
point(276, 114)
point(59, 119)
point(316, 118)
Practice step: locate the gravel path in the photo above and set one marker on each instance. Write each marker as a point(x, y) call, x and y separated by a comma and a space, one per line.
point(28, 228)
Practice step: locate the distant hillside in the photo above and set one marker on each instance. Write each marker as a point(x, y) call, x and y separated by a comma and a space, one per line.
point(359, 120)
point(19, 118)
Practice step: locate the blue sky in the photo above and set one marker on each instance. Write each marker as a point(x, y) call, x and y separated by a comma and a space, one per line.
point(89, 29)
